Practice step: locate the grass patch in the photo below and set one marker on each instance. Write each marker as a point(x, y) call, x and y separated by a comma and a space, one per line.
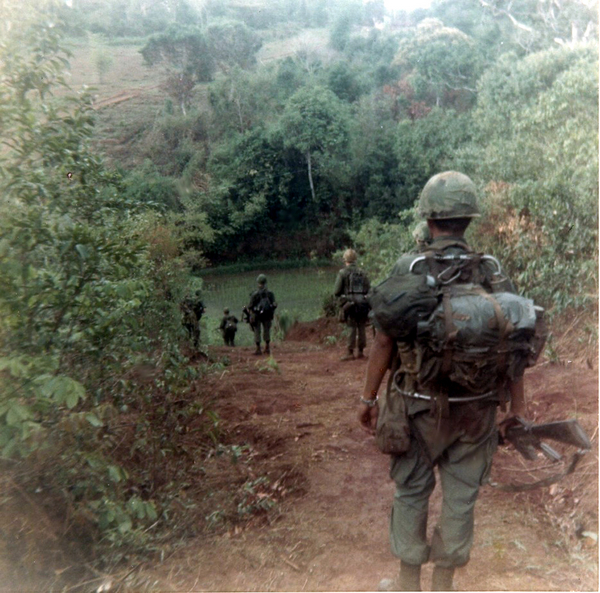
point(299, 294)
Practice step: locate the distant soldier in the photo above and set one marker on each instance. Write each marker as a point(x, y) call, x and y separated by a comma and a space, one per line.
point(228, 327)
point(192, 309)
point(262, 307)
point(422, 236)
point(351, 288)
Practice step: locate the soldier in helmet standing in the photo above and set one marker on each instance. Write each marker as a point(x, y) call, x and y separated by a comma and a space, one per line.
point(351, 288)
point(192, 309)
point(228, 327)
point(262, 307)
point(460, 438)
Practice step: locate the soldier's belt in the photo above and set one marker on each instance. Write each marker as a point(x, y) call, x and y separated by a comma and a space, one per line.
point(452, 400)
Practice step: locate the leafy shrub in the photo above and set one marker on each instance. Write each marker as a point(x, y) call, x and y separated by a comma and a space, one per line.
point(284, 321)
point(92, 381)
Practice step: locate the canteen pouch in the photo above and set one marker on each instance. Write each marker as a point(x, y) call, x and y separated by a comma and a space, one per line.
point(392, 434)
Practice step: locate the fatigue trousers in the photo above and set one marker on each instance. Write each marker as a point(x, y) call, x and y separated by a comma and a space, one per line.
point(462, 447)
point(229, 337)
point(193, 331)
point(266, 331)
point(357, 330)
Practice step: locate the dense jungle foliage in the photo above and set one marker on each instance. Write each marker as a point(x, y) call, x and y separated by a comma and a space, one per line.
point(292, 157)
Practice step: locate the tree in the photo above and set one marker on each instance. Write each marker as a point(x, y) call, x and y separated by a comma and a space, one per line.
point(232, 43)
point(427, 146)
point(242, 99)
point(186, 54)
point(535, 25)
point(442, 60)
point(315, 123)
point(536, 141)
point(375, 175)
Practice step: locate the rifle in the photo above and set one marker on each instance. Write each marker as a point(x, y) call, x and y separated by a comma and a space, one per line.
point(247, 316)
point(526, 437)
point(527, 440)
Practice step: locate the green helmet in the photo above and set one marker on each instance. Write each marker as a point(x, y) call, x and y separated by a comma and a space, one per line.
point(261, 279)
point(448, 195)
point(421, 233)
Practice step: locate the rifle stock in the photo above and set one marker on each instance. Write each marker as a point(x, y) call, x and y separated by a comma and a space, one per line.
point(564, 431)
point(526, 437)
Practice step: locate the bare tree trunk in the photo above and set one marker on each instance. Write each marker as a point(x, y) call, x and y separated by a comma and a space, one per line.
point(239, 113)
point(310, 179)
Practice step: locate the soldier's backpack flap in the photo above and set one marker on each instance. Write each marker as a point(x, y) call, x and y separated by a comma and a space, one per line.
point(400, 302)
point(492, 336)
point(264, 309)
point(357, 285)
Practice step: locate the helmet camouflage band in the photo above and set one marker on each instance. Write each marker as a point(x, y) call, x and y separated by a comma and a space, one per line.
point(350, 255)
point(448, 195)
point(261, 279)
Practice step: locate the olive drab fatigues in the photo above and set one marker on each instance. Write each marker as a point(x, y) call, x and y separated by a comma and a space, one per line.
point(357, 324)
point(262, 321)
point(461, 444)
point(192, 309)
point(228, 328)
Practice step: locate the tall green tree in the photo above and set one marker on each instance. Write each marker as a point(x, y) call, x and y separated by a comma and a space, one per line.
point(537, 140)
point(232, 43)
point(185, 53)
point(315, 122)
point(442, 62)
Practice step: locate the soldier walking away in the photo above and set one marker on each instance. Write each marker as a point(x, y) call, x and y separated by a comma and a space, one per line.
point(228, 327)
point(443, 391)
point(192, 309)
point(262, 307)
point(351, 288)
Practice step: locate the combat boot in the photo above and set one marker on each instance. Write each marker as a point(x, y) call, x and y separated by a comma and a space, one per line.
point(360, 354)
point(258, 350)
point(442, 579)
point(267, 349)
point(409, 579)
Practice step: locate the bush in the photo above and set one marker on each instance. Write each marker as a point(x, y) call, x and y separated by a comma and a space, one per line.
point(93, 385)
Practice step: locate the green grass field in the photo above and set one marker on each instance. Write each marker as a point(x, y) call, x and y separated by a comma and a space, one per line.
point(299, 294)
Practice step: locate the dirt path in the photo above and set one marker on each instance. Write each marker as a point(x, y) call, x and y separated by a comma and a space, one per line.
point(328, 528)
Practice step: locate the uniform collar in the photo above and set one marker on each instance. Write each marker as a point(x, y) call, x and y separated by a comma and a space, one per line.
point(449, 239)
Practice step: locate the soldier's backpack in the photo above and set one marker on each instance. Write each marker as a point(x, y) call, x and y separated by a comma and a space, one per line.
point(230, 325)
point(198, 309)
point(357, 288)
point(264, 309)
point(460, 332)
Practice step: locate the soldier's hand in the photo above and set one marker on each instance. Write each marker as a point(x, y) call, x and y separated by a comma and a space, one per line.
point(508, 422)
point(367, 417)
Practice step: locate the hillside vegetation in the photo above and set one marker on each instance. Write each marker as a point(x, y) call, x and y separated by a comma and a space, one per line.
point(222, 132)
